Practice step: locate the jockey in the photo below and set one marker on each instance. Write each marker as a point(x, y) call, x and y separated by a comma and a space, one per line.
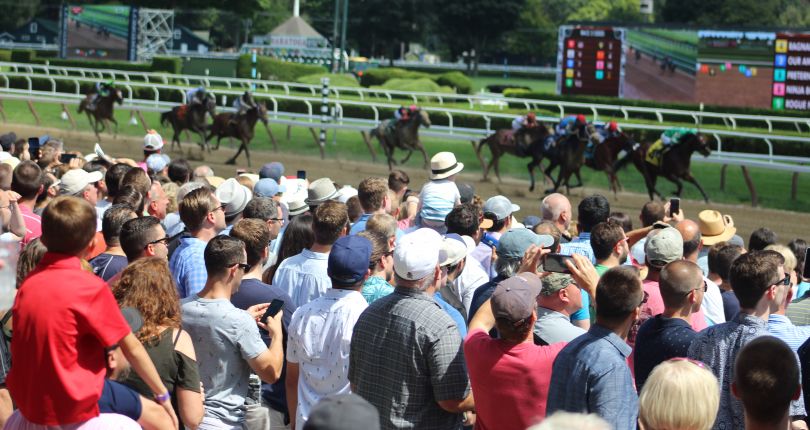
point(528, 121)
point(244, 103)
point(569, 124)
point(404, 114)
point(99, 89)
point(672, 136)
point(195, 95)
point(608, 130)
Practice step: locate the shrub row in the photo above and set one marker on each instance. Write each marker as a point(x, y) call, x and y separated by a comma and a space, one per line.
point(158, 64)
point(275, 70)
point(379, 76)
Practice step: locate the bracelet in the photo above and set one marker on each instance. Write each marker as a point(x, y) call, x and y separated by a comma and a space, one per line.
point(162, 398)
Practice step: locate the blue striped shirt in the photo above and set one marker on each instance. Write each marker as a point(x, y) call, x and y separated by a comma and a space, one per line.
point(793, 335)
point(188, 266)
point(438, 199)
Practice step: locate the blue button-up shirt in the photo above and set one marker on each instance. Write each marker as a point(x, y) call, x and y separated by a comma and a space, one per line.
point(303, 277)
point(781, 327)
point(579, 245)
point(188, 266)
point(717, 347)
point(591, 375)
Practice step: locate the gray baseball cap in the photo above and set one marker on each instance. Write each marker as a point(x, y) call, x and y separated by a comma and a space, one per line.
point(515, 242)
point(500, 206)
point(663, 246)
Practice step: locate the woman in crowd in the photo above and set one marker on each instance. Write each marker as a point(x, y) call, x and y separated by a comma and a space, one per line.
point(679, 394)
point(297, 236)
point(147, 286)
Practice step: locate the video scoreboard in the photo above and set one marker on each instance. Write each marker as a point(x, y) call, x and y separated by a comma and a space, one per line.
point(590, 60)
point(791, 72)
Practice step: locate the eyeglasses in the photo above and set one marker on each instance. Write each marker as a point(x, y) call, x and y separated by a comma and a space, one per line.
point(644, 298)
point(276, 219)
point(695, 362)
point(785, 281)
point(218, 208)
point(244, 266)
point(163, 240)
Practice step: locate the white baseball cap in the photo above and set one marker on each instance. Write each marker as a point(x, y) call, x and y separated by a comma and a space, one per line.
point(74, 181)
point(417, 254)
point(152, 141)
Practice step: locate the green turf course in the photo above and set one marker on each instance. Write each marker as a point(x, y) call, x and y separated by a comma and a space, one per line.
point(773, 186)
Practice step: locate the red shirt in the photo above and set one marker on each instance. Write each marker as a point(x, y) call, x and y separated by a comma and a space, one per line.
point(510, 382)
point(64, 317)
point(33, 224)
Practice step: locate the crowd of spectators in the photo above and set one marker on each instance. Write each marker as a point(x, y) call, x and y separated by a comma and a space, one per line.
point(154, 294)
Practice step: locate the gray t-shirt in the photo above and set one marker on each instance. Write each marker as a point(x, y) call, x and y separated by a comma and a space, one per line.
point(224, 338)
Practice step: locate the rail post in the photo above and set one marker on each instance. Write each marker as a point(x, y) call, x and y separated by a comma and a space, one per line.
point(324, 114)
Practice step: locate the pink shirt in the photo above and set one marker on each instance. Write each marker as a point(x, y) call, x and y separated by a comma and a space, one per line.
point(520, 402)
point(33, 224)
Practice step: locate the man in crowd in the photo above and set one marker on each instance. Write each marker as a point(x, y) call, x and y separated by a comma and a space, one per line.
point(373, 196)
point(669, 334)
point(591, 374)
point(651, 213)
point(204, 217)
point(766, 381)
point(463, 221)
point(692, 245)
point(234, 197)
point(113, 260)
point(499, 210)
point(557, 209)
point(271, 407)
point(413, 372)
point(318, 347)
point(226, 339)
point(304, 276)
point(758, 281)
point(512, 357)
point(81, 184)
point(721, 257)
point(27, 181)
point(61, 333)
point(144, 237)
point(761, 238)
point(609, 245)
point(560, 297)
point(157, 201)
point(269, 211)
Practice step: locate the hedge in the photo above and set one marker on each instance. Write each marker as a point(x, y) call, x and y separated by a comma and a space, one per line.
point(423, 85)
point(158, 64)
point(5, 55)
point(456, 80)
point(23, 55)
point(275, 70)
point(380, 76)
point(172, 65)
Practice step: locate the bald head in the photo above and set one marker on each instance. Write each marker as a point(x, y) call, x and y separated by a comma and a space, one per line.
point(690, 232)
point(557, 208)
point(677, 280)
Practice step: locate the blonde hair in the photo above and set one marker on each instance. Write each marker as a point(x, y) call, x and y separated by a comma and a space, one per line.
point(679, 394)
point(382, 223)
point(790, 258)
point(572, 421)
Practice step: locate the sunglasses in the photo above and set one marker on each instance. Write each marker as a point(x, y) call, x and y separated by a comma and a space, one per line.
point(244, 266)
point(222, 207)
point(785, 281)
point(163, 240)
point(644, 298)
point(705, 288)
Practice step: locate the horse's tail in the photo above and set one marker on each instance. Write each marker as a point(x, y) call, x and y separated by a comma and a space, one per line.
point(481, 144)
point(164, 118)
point(82, 106)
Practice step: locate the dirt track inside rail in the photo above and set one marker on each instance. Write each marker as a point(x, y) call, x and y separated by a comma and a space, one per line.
point(787, 225)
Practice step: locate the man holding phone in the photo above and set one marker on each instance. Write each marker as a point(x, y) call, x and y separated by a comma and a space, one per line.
point(320, 331)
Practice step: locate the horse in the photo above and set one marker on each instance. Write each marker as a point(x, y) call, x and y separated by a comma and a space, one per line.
point(104, 111)
point(404, 136)
point(242, 128)
point(674, 164)
point(190, 117)
point(606, 158)
point(504, 141)
point(569, 154)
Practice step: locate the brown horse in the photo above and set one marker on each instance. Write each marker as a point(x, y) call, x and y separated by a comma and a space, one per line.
point(569, 154)
point(674, 164)
point(243, 128)
point(190, 117)
point(403, 136)
point(526, 142)
point(605, 158)
point(103, 112)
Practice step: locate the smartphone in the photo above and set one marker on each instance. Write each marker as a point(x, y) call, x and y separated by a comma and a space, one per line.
point(674, 206)
point(33, 147)
point(806, 274)
point(272, 310)
point(556, 263)
point(302, 174)
point(65, 158)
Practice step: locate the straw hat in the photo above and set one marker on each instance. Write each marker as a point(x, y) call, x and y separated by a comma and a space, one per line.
point(715, 227)
point(321, 191)
point(444, 165)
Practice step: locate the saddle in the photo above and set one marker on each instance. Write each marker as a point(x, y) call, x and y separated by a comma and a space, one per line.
point(182, 111)
point(655, 153)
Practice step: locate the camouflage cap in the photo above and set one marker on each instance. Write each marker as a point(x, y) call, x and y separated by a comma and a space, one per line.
point(555, 282)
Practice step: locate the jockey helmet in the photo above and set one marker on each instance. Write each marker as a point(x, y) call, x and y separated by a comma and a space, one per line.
point(413, 108)
point(613, 126)
point(110, 83)
point(581, 119)
point(531, 117)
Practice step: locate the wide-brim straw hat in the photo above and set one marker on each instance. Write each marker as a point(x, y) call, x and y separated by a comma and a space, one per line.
point(715, 227)
point(444, 165)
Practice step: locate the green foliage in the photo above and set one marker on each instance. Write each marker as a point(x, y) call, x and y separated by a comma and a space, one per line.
point(23, 55)
point(5, 55)
point(381, 75)
point(344, 80)
point(272, 69)
point(171, 65)
point(457, 80)
point(418, 85)
point(100, 64)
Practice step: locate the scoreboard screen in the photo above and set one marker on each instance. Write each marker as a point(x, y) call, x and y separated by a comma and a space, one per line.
point(791, 72)
point(590, 60)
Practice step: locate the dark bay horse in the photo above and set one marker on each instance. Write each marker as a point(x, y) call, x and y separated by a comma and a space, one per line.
point(569, 154)
point(190, 117)
point(526, 142)
point(402, 136)
point(103, 112)
point(243, 128)
point(674, 165)
point(606, 158)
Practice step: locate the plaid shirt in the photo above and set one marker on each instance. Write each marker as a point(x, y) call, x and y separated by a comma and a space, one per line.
point(188, 266)
point(406, 355)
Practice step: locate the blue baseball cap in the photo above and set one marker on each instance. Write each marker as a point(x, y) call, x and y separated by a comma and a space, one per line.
point(272, 170)
point(514, 243)
point(267, 187)
point(349, 260)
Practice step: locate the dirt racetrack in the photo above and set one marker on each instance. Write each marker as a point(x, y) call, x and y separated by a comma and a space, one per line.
point(787, 225)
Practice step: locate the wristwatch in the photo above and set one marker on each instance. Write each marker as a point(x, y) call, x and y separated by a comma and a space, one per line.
point(162, 398)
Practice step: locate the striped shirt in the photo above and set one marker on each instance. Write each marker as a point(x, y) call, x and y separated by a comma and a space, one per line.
point(438, 198)
point(781, 327)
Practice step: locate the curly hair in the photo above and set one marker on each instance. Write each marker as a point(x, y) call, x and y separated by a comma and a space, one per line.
point(147, 286)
